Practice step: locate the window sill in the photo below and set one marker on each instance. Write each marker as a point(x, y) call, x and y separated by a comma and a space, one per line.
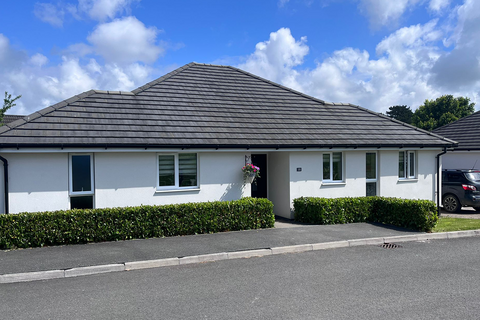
point(333, 183)
point(407, 179)
point(176, 190)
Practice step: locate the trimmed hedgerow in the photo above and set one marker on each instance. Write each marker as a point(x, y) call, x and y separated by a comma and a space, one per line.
point(25, 230)
point(411, 214)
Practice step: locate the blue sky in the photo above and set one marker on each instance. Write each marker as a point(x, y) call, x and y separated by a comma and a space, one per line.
point(374, 53)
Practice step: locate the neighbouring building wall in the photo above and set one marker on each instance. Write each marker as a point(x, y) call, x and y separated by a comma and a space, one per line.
point(423, 187)
point(130, 179)
point(37, 182)
point(461, 160)
point(279, 183)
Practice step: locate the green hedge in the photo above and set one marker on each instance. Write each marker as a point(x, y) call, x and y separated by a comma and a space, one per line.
point(411, 214)
point(94, 225)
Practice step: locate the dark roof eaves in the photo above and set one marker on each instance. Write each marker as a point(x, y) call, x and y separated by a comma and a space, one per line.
point(216, 146)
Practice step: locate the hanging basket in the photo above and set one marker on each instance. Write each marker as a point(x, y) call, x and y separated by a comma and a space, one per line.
point(249, 177)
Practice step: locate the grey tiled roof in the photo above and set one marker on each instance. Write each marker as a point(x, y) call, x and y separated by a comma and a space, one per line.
point(201, 105)
point(465, 131)
point(11, 117)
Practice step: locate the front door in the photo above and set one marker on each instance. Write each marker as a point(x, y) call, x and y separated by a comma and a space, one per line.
point(259, 186)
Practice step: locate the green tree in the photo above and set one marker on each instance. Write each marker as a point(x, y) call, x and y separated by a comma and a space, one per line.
point(401, 113)
point(8, 103)
point(441, 111)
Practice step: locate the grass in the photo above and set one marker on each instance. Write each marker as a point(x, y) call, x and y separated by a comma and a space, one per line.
point(456, 224)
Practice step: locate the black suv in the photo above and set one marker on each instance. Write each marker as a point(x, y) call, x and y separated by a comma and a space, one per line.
point(460, 188)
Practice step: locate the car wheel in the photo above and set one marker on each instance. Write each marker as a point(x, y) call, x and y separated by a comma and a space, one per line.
point(451, 203)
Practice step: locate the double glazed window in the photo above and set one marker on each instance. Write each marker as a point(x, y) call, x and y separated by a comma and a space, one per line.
point(179, 170)
point(406, 165)
point(333, 166)
point(81, 181)
point(371, 173)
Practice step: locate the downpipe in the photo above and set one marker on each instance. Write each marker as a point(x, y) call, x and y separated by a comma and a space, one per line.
point(438, 178)
point(5, 181)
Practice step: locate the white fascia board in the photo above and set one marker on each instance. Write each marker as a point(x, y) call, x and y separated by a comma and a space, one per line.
point(198, 150)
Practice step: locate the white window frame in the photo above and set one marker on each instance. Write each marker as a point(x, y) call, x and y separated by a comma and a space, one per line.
point(70, 177)
point(407, 165)
point(330, 179)
point(177, 173)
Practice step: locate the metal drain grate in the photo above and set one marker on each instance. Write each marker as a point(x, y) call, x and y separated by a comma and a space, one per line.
point(390, 246)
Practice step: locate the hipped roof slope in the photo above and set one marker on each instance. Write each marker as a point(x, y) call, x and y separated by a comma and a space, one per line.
point(466, 131)
point(202, 105)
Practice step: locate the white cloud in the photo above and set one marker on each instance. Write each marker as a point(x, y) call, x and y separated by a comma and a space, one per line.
point(438, 5)
point(100, 10)
point(4, 44)
point(401, 73)
point(49, 13)
point(275, 58)
point(385, 12)
point(38, 60)
point(126, 40)
point(42, 84)
point(460, 69)
point(282, 3)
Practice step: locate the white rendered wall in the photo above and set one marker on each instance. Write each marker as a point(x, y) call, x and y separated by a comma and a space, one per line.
point(129, 179)
point(279, 183)
point(37, 182)
point(461, 160)
point(421, 188)
point(308, 181)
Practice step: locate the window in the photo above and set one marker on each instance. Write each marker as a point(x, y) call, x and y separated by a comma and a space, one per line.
point(81, 181)
point(406, 165)
point(177, 170)
point(371, 173)
point(332, 166)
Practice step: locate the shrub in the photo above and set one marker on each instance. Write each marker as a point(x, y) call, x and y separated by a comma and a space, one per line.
point(111, 224)
point(412, 214)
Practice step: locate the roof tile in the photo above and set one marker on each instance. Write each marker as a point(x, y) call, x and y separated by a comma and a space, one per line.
point(208, 105)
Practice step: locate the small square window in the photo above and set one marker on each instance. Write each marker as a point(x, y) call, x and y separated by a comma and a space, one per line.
point(333, 166)
point(179, 170)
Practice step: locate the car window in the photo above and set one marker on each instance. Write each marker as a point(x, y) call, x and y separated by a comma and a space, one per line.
point(453, 177)
point(473, 176)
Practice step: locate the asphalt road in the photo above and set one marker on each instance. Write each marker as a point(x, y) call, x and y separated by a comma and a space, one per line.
point(422, 280)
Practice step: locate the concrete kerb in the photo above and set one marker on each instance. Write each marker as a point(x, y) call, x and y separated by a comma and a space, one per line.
point(147, 264)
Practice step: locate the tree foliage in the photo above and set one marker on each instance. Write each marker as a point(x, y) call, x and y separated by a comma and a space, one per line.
point(8, 103)
point(401, 113)
point(441, 111)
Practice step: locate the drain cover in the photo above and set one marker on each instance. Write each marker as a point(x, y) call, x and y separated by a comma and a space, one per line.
point(390, 246)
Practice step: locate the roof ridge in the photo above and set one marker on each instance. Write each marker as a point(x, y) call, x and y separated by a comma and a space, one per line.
point(163, 78)
point(47, 110)
point(454, 122)
point(344, 104)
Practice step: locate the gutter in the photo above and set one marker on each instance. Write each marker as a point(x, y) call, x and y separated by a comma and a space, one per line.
point(438, 178)
point(5, 180)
